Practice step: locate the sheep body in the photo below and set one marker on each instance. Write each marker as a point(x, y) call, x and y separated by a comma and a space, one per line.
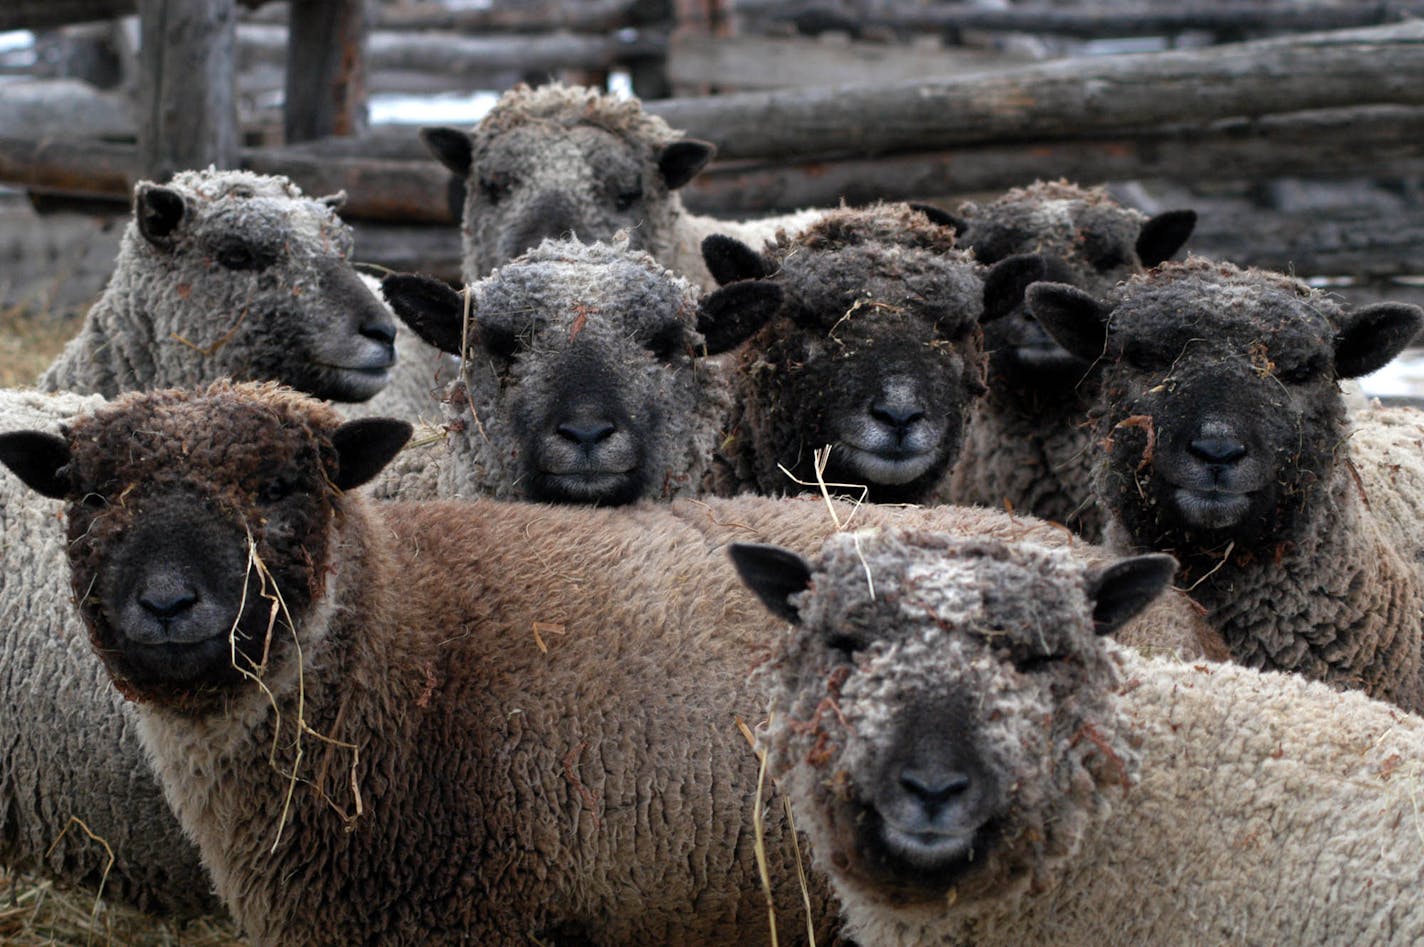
point(1106, 797)
point(575, 802)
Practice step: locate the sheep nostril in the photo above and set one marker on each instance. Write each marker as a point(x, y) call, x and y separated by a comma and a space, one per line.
point(933, 787)
point(897, 416)
point(379, 330)
point(168, 601)
point(1218, 450)
point(586, 433)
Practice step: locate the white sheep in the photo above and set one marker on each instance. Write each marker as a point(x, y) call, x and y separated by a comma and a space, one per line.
point(417, 722)
point(973, 763)
point(558, 160)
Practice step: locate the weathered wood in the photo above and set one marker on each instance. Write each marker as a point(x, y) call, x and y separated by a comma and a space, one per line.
point(1073, 97)
point(1358, 242)
point(187, 110)
point(45, 14)
point(1083, 22)
point(527, 16)
point(404, 191)
point(326, 70)
point(68, 108)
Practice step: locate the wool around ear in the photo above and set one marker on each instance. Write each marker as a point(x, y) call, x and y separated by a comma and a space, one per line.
point(334, 201)
point(1373, 335)
point(1074, 319)
point(159, 210)
point(729, 316)
point(773, 574)
point(452, 147)
point(729, 259)
point(433, 310)
point(682, 159)
point(1163, 235)
point(942, 217)
point(1006, 281)
point(38, 459)
point(365, 446)
point(1119, 590)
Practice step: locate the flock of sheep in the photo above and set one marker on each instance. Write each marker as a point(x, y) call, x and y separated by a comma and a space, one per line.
point(530, 638)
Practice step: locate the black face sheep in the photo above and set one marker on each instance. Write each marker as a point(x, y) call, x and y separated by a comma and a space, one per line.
point(875, 352)
point(1028, 446)
point(415, 722)
point(583, 380)
point(1226, 444)
point(559, 160)
point(974, 764)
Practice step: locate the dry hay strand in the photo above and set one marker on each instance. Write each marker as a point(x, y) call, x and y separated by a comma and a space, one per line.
point(759, 848)
point(819, 460)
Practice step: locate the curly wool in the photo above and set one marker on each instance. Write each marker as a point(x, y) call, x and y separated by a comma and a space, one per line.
point(72, 748)
point(1116, 762)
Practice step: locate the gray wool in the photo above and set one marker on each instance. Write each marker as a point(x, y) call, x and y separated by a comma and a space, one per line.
point(1027, 446)
point(71, 747)
point(1139, 800)
point(566, 300)
point(565, 148)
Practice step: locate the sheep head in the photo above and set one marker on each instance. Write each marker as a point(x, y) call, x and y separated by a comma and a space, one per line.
point(944, 713)
point(1221, 414)
point(561, 161)
point(875, 350)
point(189, 513)
point(582, 376)
point(268, 270)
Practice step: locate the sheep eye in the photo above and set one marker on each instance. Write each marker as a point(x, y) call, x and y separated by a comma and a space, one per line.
point(627, 199)
point(496, 187)
point(667, 341)
point(1036, 663)
point(1109, 260)
point(1301, 374)
point(238, 255)
point(1143, 357)
point(498, 341)
point(276, 490)
point(847, 645)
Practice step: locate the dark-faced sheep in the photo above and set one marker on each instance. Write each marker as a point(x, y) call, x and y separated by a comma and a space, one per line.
point(419, 722)
point(1226, 443)
point(583, 381)
point(559, 160)
point(1027, 446)
point(876, 351)
point(974, 763)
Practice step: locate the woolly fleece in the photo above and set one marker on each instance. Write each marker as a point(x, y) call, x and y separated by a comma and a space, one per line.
point(492, 664)
point(1151, 801)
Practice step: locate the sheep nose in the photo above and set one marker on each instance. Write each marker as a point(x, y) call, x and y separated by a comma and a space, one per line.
point(897, 416)
point(167, 598)
point(1218, 450)
point(379, 329)
point(933, 787)
point(586, 433)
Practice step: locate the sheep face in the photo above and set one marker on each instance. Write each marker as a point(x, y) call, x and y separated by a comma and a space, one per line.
point(942, 711)
point(268, 270)
point(199, 529)
point(1220, 413)
point(580, 370)
point(561, 162)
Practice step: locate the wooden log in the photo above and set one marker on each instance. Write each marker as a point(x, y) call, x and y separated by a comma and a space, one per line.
point(1082, 22)
point(326, 70)
point(45, 14)
point(187, 110)
point(1069, 98)
point(66, 108)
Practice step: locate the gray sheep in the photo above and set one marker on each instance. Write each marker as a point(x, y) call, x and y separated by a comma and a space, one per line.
point(1226, 444)
point(1027, 446)
point(420, 722)
point(583, 381)
point(875, 352)
point(974, 763)
point(559, 160)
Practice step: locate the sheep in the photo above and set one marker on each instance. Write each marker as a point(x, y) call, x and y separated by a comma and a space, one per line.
point(973, 762)
point(557, 159)
point(1027, 446)
point(71, 746)
point(876, 351)
point(1226, 444)
point(516, 719)
point(582, 380)
point(230, 273)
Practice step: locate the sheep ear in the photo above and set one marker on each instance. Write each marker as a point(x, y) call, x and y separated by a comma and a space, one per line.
point(1006, 281)
point(452, 147)
point(1163, 235)
point(729, 259)
point(433, 310)
point(773, 574)
point(159, 210)
point(1373, 335)
point(39, 460)
point(1074, 319)
point(942, 217)
point(365, 446)
point(682, 159)
point(334, 201)
point(727, 317)
point(1121, 589)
